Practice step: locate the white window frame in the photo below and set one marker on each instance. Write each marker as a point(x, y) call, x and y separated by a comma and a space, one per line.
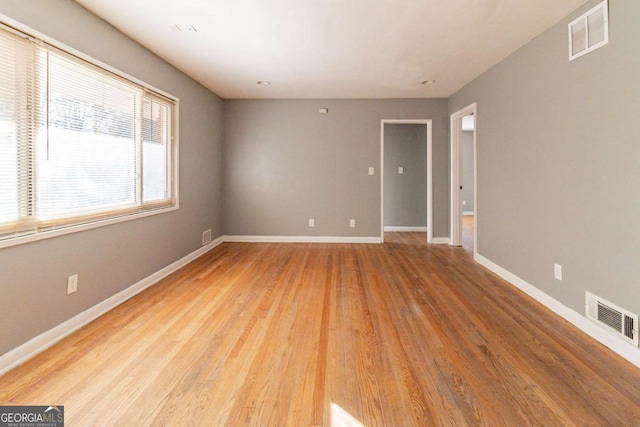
point(17, 27)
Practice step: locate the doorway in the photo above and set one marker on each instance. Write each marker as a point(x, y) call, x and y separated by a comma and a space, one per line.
point(468, 184)
point(400, 170)
point(464, 207)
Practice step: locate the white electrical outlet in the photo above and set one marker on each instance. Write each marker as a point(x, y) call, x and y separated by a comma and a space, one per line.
point(312, 222)
point(352, 223)
point(400, 170)
point(557, 271)
point(72, 284)
point(371, 171)
point(464, 203)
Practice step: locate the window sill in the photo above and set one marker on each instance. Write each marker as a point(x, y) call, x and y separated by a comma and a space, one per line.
point(14, 241)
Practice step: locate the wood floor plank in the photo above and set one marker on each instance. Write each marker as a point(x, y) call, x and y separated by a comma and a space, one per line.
point(319, 408)
point(398, 334)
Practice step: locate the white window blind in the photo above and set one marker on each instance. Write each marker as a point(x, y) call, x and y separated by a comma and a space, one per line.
point(77, 142)
point(18, 81)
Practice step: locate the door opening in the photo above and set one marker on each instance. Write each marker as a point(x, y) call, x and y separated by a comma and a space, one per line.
point(464, 200)
point(401, 170)
point(468, 185)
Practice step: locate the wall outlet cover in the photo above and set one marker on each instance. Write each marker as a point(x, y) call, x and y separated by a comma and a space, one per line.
point(557, 271)
point(72, 284)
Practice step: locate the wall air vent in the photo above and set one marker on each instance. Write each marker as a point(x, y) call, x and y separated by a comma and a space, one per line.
point(589, 32)
point(206, 237)
point(613, 318)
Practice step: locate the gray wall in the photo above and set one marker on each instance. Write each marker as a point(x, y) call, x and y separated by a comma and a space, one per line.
point(284, 163)
point(405, 195)
point(563, 134)
point(467, 170)
point(109, 259)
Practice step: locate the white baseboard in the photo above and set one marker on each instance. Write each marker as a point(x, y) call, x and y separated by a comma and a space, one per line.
point(301, 239)
point(440, 240)
point(317, 239)
point(468, 213)
point(403, 229)
point(45, 340)
point(632, 354)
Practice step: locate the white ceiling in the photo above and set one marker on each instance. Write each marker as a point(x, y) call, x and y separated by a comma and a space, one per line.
point(333, 48)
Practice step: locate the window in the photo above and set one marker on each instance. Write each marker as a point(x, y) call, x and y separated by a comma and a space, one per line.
point(78, 143)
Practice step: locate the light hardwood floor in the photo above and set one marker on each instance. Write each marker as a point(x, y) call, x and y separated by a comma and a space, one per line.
point(468, 224)
point(400, 334)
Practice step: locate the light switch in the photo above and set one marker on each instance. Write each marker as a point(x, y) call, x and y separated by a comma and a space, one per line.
point(400, 170)
point(371, 171)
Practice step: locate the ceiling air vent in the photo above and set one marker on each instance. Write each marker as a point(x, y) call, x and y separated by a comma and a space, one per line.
point(613, 318)
point(589, 32)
